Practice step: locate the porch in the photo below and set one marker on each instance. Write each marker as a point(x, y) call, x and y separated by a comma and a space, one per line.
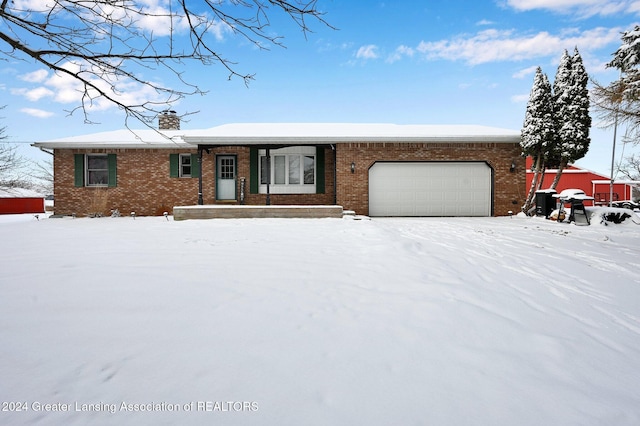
point(253, 211)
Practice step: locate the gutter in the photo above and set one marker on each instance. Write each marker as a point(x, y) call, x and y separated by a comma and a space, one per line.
point(316, 140)
point(45, 150)
point(335, 174)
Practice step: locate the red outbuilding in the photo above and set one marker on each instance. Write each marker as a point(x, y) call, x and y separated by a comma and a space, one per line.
point(593, 184)
point(18, 201)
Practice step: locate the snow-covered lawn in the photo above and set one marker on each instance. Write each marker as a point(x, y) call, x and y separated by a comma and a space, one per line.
point(435, 321)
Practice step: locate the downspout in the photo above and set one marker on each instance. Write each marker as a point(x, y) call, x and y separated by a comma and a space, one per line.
point(268, 160)
point(200, 198)
point(48, 152)
point(335, 175)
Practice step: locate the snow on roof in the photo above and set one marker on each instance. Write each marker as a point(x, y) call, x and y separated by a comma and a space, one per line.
point(124, 138)
point(19, 193)
point(293, 133)
point(310, 133)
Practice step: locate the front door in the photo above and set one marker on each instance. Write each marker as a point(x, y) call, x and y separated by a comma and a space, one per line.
point(226, 177)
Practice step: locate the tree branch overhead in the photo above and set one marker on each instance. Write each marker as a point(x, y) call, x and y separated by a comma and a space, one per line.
point(103, 44)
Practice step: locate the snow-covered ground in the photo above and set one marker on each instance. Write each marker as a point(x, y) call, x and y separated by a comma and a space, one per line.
point(434, 321)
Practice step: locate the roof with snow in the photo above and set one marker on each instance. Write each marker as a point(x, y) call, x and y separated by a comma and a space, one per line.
point(311, 133)
point(290, 133)
point(125, 138)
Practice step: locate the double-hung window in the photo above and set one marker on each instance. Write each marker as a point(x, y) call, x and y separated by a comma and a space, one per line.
point(95, 170)
point(290, 170)
point(185, 165)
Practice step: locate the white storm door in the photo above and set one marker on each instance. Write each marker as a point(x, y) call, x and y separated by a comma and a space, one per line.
point(226, 177)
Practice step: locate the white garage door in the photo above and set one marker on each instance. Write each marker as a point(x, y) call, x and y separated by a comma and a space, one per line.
point(430, 189)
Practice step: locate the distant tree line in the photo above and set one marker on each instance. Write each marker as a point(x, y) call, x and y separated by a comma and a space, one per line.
point(618, 103)
point(16, 171)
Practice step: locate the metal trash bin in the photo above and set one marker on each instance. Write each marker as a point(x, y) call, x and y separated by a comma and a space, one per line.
point(545, 202)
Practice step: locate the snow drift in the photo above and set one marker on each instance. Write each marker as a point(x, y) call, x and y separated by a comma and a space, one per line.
point(458, 321)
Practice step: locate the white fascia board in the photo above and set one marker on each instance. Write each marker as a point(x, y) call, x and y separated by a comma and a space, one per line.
point(114, 145)
point(275, 140)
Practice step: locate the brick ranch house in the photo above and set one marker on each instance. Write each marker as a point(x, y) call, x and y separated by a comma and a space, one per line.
point(372, 169)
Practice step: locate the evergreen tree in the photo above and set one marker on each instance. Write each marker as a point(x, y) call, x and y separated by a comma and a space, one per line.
point(562, 105)
point(538, 131)
point(627, 57)
point(581, 107)
point(571, 107)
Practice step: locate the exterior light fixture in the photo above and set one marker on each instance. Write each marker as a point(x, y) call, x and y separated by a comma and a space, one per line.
point(353, 167)
point(512, 168)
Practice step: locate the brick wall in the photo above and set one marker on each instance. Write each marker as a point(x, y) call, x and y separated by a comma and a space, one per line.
point(144, 185)
point(353, 188)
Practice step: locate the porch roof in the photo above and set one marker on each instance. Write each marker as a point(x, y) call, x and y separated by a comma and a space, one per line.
point(285, 133)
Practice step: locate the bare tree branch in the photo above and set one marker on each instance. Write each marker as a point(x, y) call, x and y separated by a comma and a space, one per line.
point(104, 44)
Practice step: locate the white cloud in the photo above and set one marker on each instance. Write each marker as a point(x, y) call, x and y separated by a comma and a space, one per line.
point(35, 77)
point(64, 89)
point(484, 22)
point(579, 8)
point(525, 72)
point(150, 16)
point(31, 5)
point(327, 46)
point(68, 90)
point(33, 95)
point(401, 52)
point(518, 99)
point(504, 45)
point(34, 112)
point(162, 22)
point(369, 51)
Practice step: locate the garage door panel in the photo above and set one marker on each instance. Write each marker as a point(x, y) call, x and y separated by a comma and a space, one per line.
point(430, 189)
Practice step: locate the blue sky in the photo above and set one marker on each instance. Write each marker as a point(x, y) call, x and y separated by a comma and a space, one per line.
point(404, 62)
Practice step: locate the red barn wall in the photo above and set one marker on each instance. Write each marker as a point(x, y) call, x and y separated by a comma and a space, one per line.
point(21, 205)
point(576, 178)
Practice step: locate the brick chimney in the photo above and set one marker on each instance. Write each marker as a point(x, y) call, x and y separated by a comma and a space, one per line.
point(168, 120)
